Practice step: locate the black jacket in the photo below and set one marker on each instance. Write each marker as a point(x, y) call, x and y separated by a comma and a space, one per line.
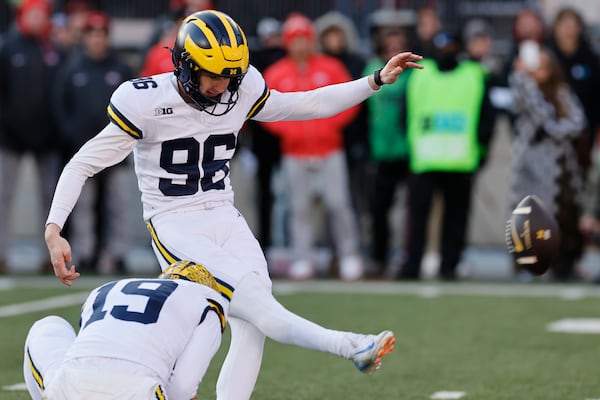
point(582, 71)
point(82, 93)
point(28, 69)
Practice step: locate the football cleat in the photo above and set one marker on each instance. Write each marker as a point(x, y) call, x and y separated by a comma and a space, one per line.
point(368, 354)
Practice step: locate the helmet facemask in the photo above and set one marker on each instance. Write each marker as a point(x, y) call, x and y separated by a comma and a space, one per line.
point(188, 74)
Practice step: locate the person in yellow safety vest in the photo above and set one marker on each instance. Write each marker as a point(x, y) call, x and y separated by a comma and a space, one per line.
point(449, 123)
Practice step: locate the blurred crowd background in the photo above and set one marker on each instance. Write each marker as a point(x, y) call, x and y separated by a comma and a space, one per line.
point(365, 201)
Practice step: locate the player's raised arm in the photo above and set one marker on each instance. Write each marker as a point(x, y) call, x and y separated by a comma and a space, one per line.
point(329, 100)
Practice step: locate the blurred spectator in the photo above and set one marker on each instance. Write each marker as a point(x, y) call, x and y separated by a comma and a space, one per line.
point(165, 27)
point(61, 34)
point(29, 62)
point(528, 24)
point(313, 156)
point(581, 69)
point(6, 16)
point(76, 12)
point(271, 48)
point(192, 6)
point(338, 38)
point(589, 223)
point(266, 147)
point(388, 147)
point(549, 118)
point(428, 25)
point(158, 58)
point(449, 121)
point(95, 69)
point(478, 43)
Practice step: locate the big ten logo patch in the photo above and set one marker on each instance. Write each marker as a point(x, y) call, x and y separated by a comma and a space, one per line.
point(163, 111)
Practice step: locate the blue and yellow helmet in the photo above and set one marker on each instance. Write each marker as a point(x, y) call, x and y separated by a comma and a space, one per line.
point(210, 42)
point(192, 272)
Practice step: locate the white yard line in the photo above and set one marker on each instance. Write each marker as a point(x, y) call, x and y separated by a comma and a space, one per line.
point(575, 325)
point(43, 304)
point(447, 395)
point(17, 387)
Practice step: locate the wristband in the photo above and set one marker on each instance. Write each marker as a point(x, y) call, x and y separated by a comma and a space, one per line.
point(377, 77)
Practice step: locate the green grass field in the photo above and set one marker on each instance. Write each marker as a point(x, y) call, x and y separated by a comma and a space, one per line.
point(487, 340)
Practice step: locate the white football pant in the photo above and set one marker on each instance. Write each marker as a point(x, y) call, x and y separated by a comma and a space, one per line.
point(220, 239)
point(48, 376)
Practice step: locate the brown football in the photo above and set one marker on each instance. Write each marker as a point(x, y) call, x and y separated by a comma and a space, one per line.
point(532, 235)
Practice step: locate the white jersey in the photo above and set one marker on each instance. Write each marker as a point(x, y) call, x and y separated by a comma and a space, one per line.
point(182, 158)
point(145, 321)
point(182, 154)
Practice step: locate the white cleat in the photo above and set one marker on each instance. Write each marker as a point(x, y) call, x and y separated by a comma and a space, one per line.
point(369, 352)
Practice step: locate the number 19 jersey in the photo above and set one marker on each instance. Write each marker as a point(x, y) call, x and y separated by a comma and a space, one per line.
point(145, 321)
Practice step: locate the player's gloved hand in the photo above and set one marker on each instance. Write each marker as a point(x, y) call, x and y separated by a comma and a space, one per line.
point(60, 255)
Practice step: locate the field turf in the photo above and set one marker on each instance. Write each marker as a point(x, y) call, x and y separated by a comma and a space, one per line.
point(487, 340)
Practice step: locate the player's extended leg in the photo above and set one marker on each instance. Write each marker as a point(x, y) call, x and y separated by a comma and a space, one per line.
point(45, 347)
point(242, 362)
point(254, 302)
point(221, 240)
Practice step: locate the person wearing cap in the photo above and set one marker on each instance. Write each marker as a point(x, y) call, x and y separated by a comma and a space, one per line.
point(313, 157)
point(449, 123)
point(95, 69)
point(478, 42)
point(29, 62)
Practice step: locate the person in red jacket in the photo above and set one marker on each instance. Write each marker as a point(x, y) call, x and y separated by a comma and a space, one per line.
point(313, 159)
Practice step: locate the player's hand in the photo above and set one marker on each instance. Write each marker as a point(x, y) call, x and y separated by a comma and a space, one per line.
point(397, 64)
point(60, 255)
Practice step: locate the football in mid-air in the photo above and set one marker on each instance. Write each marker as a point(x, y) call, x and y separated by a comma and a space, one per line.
point(532, 235)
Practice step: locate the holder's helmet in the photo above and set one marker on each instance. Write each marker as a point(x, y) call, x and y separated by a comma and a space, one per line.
point(190, 271)
point(210, 42)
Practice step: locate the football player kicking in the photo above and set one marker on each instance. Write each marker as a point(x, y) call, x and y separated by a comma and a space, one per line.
point(182, 129)
point(138, 339)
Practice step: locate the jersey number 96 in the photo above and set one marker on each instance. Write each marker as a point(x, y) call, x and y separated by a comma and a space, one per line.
point(197, 173)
